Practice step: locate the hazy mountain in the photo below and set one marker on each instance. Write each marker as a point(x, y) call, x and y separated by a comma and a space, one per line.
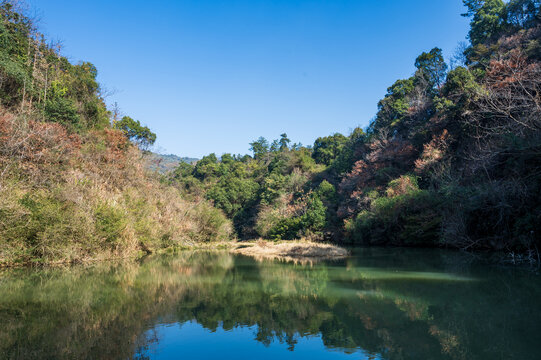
point(164, 163)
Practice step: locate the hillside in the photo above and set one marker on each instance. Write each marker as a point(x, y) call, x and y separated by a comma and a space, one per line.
point(73, 182)
point(452, 158)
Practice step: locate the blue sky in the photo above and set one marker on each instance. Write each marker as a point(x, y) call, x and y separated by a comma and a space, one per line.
point(213, 75)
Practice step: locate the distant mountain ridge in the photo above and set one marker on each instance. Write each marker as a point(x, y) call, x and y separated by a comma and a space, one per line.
point(163, 163)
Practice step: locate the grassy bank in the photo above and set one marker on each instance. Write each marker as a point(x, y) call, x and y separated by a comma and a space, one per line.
point(73, 183)
point(70, 197)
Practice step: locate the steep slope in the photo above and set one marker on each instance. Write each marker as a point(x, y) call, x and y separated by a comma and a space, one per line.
point(72, 187)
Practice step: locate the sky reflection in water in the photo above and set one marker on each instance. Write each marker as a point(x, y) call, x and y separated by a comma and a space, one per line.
point(378, 304)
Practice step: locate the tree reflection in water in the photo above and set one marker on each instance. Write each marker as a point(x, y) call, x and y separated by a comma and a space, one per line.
point(396, 304)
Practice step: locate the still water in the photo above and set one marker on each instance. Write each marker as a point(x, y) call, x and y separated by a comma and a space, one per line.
point(376, 304)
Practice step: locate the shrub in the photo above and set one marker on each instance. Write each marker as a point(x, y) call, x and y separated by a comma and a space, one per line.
point(272, 188)
point(286, 228)
point(405, 216)
point(312, 220)
point(110, 224)
point(212, 225)
point(62, 110)
point(267, 219)
point(45, 227)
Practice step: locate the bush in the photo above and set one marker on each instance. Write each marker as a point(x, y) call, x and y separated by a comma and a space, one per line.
point(110, 225)
point(212, 225)
point(405, 216)
point(61, 110)
point(312, 220)
point(273, 186)
point(42, 226)
point(286, 228)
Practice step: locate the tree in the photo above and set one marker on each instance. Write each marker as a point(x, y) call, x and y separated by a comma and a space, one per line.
point(487, 19)
point(394, 106)
point(227, 158)
point(275, 146)
point(232, 194)
point(432, 66)
point(284, 142)
point(523, 13)
point(259, 147)
point(206, 167)
point(326, 149)
point(135, 132)
point(61, 110)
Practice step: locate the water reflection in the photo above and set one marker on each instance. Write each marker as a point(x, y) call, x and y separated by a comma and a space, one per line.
point(388, 304)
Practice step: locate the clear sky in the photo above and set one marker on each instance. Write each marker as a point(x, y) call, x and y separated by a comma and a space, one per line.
point(213, 75)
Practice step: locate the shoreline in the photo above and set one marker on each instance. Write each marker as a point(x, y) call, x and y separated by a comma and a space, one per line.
point(260, 249)
point(295, 250)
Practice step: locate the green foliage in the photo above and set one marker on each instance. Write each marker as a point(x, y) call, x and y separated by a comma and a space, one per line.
point(523, 14)
point(62, 110)
point(41, 226)
point(272, 188)
point(302, 159)
point(110, 223)
point(97, 117)
point(493, 18)
point(315, 215)
point(259, 147)
point(206, 167)
point(286, 229)
point(327, 192)
point(138, 134)
point(533, 49)
point(15, 76)
point(408, 219)
point(212, 224)
point(487, 19)
point(231, 194)
point(326, 149)
point(432, 66)
point(347, 156)
point(394, 107)
point(311, 221)
point(252, 191)
point(460, 81)
point(34, 74)
point(284, 142)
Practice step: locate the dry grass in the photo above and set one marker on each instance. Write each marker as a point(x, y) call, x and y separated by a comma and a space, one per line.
point(77, 198)
point(297, 251)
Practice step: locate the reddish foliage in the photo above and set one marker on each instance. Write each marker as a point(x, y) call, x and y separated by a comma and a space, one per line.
point(394, 154)
point(34, 144)
point(117, 145)
point(109, 147)
point(433, 151)
point(505, 73)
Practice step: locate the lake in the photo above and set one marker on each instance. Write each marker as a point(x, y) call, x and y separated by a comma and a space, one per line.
point(376, 304)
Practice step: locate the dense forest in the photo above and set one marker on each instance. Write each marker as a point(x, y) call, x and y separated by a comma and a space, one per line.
point(452, 158)
point(72, 179)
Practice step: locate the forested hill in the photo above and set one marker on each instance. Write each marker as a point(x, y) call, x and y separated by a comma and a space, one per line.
point(73, 185)
point(453, 157)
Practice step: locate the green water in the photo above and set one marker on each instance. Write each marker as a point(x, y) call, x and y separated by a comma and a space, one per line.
point(377, 304)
